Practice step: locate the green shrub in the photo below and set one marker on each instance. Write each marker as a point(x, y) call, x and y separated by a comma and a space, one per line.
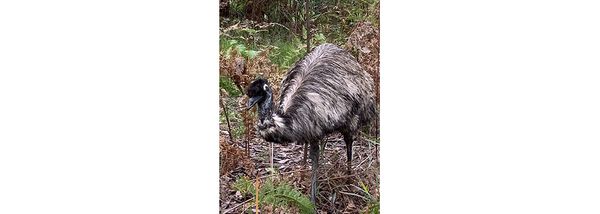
point(275, 194)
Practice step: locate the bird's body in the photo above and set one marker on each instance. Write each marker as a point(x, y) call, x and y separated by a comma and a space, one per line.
point(323, 93)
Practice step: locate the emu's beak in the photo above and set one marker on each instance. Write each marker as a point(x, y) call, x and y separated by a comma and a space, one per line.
point(252, 101)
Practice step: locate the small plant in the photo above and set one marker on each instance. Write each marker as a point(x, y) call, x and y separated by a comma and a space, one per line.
point(234, 117)
point(231, 157)
point(276, 194)
point(286, 53)
point(238, 6)
point(227, 83)
point(228, 46)
point(372, 201)
point(319, 38)
point(375, 140)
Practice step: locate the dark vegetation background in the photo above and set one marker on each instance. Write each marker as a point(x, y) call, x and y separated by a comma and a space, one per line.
point(264, 38)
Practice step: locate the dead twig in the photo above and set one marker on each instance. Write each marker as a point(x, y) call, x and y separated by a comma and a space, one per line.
point(339, 177)
point(236, 206)
point(282, 173)
point(257, 185)
point(354, 194)
point(226, 118)
point(272, 171)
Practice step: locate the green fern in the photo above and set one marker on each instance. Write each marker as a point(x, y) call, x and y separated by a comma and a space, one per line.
point(285, 194)
point(278, 195)
point(244, 185)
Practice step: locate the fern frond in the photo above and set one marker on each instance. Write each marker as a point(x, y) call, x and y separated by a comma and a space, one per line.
point(284, 195)
point(278, 195)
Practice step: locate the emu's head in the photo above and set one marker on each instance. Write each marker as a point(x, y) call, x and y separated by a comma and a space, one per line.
point(258, 91)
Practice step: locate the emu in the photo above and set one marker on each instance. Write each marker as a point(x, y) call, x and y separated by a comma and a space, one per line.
point(325, 92)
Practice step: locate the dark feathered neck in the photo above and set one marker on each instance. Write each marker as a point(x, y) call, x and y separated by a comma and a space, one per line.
point(270, 125)
point(265, 109)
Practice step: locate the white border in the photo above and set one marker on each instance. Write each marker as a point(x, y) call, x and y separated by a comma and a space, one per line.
point(488, 107)
point(108, 107)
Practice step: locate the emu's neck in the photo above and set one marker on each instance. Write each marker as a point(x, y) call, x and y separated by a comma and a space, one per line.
point(265, 109)
point(271, 126)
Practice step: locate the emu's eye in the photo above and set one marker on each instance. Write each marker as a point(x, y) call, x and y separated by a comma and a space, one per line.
point(265, 87)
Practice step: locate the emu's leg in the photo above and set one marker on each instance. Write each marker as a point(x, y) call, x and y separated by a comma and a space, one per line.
point(304, 157)
point(304, 167)
point(349, 139)
point(314, 156)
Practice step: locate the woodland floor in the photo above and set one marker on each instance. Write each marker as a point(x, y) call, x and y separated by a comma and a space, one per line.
point(338, 192)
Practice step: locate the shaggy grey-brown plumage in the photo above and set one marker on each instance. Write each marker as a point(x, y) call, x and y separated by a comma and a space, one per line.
point(323, 93)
